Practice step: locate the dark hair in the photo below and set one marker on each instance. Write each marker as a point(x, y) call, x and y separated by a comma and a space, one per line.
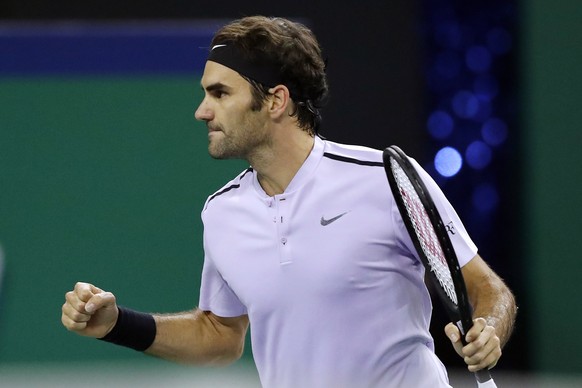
point(295, 50)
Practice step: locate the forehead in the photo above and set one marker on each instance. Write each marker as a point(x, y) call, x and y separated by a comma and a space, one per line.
point(215, 73)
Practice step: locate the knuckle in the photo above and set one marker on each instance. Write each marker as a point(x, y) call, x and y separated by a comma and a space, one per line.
point(82, 290)
point(79, 285)
point(478, 343)
point(77, 316)
point(71, 325)
point(69, 296)
point(497, 342)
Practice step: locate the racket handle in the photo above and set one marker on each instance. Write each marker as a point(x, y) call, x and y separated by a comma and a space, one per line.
point(484, 379)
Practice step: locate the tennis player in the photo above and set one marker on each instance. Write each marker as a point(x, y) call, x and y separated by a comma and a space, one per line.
point(306, 245)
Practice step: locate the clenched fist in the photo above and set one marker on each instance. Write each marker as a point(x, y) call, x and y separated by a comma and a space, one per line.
point(89, 311)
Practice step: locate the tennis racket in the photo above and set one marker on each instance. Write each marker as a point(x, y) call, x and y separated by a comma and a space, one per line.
point(431, 240)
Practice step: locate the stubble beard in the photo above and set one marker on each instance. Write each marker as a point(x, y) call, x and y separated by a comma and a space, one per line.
point(224, 149)
point(241, 143)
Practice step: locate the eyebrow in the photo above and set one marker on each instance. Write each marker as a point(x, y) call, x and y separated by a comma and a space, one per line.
point(217, 86)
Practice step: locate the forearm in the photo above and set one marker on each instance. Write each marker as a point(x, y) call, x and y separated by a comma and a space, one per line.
point(193, 337)
point(493, 301)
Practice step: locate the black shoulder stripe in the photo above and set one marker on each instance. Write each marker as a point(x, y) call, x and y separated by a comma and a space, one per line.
point(226, 189)
point(231, 187)
point(352, 160)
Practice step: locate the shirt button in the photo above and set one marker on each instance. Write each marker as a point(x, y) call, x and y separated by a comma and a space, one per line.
point(284, 241)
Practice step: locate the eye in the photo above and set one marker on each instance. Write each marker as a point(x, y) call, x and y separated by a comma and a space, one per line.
point(219, 94)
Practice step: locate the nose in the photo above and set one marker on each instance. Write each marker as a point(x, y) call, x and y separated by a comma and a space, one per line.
point(203, 112)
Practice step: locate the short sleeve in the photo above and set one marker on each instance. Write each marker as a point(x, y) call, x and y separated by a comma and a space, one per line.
point(216, 295)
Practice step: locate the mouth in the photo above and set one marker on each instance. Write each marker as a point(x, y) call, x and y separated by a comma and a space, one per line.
point(213, 132)
point(213, 129)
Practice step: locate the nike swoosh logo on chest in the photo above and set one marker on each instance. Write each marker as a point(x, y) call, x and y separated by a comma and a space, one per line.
point(325, 222)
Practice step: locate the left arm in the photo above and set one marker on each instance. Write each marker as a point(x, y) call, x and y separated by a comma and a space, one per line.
point(494, 312)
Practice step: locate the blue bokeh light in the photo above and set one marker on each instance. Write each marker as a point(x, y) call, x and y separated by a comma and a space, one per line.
point(440, 124)
point(448, 161)
point(478, 155)
point(465, 104)
point(484, 111)
point(471, 80)
point(494, 131)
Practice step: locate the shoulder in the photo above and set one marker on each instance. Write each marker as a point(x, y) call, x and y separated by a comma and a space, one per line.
point(353, 154)
point(233, 187)
point(353, 168)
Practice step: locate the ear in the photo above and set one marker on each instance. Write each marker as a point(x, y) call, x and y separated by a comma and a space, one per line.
point(279, 101)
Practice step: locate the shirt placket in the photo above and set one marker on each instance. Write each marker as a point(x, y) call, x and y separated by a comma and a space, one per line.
point(281, 220)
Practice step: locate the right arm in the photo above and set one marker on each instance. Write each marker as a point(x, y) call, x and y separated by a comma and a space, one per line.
point(194, 337)
point(199, 337)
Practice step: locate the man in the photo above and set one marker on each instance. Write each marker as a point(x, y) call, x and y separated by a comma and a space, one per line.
point(307, 245)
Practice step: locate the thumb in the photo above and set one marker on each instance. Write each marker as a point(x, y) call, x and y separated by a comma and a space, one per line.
point(454, 335)
point(99, 301)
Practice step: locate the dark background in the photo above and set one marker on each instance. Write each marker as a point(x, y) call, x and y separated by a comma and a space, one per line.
point(373, 49)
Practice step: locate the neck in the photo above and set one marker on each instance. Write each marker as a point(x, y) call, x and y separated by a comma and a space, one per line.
point(277, 165)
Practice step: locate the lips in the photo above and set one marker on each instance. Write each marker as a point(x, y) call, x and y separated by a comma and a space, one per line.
point(212, 131)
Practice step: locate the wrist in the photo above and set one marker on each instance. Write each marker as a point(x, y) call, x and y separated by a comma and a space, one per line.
point(133, 330)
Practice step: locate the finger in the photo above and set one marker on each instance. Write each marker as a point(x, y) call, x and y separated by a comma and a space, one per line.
point(99, 301)
point(72, 299)
point(485, 355)
point(454, 335)
point(72, 319)
point(452, 332)
point(479, 325)
point(73, 314)
point(487, 362)
point(486, 338)
point(72, 325)
point(84, 291)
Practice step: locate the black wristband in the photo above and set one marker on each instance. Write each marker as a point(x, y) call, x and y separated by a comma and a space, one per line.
point(133, 330)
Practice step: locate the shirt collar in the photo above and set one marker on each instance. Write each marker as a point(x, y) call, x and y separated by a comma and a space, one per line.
point(305, 171)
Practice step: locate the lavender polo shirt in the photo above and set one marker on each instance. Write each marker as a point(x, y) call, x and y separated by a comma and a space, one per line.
point(327, 274)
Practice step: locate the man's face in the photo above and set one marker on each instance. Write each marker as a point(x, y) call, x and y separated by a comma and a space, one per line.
point(234, 130)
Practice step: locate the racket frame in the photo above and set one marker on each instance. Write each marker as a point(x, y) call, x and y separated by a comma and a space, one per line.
point(461, 313)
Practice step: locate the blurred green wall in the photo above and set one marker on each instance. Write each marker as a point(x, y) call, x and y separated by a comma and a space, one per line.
point(552, 91)
point(102, 179)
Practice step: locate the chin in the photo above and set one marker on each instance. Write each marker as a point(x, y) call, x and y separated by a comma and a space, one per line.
point(218, 154)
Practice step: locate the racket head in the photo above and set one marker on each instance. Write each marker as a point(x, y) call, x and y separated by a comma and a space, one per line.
point(429, 235)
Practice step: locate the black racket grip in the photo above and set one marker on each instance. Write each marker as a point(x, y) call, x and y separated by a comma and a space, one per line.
point(483, 375)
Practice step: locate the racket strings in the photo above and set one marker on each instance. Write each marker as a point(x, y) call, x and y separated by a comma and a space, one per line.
point(424, 231)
